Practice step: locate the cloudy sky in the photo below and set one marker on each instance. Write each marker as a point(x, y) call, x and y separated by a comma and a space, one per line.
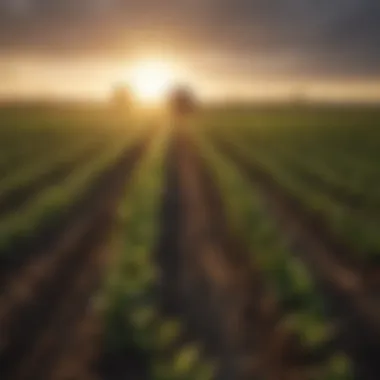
point(231, 47)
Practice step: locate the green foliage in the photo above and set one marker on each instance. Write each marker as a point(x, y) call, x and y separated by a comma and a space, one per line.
point(49, 158)
point(132, 300)
point(50, 204)
point(250, 219)
point(327, 159)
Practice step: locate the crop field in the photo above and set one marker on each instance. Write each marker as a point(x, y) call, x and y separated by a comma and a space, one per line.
point(240, 243)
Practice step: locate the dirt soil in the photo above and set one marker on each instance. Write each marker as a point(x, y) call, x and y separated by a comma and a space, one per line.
point(208, 279)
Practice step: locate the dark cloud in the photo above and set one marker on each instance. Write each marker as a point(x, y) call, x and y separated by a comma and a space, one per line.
point(299, 37)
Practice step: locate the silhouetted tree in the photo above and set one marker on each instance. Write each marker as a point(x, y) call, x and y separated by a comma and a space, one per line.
point(182, 101)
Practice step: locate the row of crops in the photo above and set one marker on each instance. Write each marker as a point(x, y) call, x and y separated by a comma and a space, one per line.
point(48, 164)
point(48, 168)
point(133, 313)
point(299, 301)
point(133, 316)
point(327, 161)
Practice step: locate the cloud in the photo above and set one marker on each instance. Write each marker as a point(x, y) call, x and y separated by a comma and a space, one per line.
point(282, 37)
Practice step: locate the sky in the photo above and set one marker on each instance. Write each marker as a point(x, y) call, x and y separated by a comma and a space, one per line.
point(226, 48)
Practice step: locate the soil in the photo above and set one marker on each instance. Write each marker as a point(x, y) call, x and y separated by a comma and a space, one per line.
point(208, 280)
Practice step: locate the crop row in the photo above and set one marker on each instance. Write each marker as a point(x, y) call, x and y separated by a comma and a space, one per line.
point(27, 136)
point(340, 187)
point(35, 172)
point(299, 300)
point(133, 314)
point(53, 202)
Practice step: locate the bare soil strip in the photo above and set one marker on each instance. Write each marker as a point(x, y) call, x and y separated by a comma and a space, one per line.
point(84, 353)
point(354, 305)
point(80, 349)
point(207, 278)
point(43, 300)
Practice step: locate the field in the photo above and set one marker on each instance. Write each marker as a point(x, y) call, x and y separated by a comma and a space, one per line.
point(241, 243)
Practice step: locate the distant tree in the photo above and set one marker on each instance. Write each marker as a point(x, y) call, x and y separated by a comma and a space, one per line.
point(121, 97)
point(182, 101)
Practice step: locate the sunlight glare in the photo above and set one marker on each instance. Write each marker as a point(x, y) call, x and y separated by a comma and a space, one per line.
point(151, 79)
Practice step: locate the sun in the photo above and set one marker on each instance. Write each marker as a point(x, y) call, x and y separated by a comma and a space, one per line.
point(151, 79)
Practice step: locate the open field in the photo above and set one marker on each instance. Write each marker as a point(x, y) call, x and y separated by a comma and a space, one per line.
point(240, 245)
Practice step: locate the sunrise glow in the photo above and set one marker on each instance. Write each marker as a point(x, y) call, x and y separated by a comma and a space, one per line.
point(151, 79)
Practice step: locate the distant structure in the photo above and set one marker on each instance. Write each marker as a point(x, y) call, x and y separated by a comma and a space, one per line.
point(121, 97)
point(182, 102)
